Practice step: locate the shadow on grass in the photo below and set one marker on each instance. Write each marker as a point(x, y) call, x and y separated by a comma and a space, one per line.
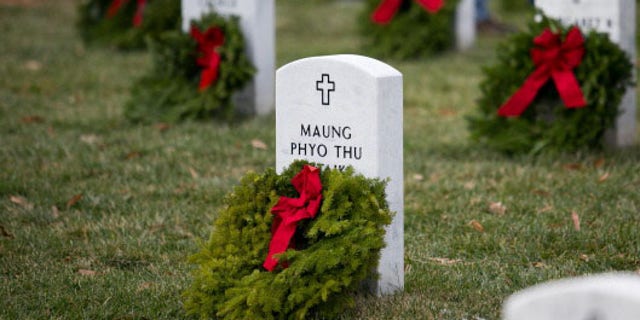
point(462, 152)
point(470, 152)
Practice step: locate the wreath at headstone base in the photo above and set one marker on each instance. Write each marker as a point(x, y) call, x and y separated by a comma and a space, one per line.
point(413, 32)
point(334, 252)
point(126, 23)
point(547, 125)
point(181, 86)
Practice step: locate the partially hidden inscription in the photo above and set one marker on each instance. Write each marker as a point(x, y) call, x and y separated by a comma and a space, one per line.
point(601, 24)
point(219, 3)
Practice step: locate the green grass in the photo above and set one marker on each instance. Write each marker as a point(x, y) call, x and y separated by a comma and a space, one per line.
point(149, 194)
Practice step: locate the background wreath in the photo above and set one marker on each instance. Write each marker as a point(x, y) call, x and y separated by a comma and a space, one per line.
point(95, 27)
point(336, 250)
point(170, 91)
point(547, 126)
point(413, 32)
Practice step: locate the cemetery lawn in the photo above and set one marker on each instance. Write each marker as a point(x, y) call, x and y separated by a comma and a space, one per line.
point(98, 215)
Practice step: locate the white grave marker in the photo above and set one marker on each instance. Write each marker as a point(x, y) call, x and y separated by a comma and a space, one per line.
point(465, 26)
point(613, 296)
point(257, 20)
point(342, 110)
point(617, 19)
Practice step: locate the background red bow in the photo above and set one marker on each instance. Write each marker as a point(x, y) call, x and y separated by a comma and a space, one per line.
point(115, 6)
point(209, 59)
point(556, 60)
point(388, 9)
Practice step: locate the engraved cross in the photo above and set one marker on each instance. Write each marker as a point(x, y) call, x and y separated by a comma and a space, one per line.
point(326, 86)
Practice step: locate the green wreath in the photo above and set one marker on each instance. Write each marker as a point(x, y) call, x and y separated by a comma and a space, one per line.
point(96, 26)
point(336, 251)
point(170, 92)
point(547, 125)
point(413, 32)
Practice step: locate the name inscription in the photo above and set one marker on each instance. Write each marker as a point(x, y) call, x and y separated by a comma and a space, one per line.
point(330, 142)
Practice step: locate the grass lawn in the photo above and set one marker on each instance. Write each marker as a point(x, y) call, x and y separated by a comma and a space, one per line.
point(98, 216)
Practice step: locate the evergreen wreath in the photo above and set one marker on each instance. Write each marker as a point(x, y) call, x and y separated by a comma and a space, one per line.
point(170, 91)
point(335, 251)
point(412, 33)
point(115, 22)
point(604, 75)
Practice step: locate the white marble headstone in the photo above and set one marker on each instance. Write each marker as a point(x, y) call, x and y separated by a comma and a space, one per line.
point(612, 296)
point(465, 25)
point(257, 20)
point(342, 110)
point(617, 18)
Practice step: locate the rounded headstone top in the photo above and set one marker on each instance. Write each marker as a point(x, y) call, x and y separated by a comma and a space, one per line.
point(374, 67)
point(605, 294)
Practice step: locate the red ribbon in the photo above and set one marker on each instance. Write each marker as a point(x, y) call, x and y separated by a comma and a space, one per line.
point(115, 6)
point(553, 59)
point(137, 18)
point(387, 9)
point(288, 211)
point(209, 59)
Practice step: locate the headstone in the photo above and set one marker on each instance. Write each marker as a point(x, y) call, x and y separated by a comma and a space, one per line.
point(257, 20)
point(465, 25)
point(613, 296)
point(343, 110)
point(617, 19)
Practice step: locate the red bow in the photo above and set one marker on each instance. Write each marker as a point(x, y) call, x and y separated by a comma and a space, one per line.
point(553, 59)
point(209, 58)
point(387, 9)
point(288, 211)
point(115, 6)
